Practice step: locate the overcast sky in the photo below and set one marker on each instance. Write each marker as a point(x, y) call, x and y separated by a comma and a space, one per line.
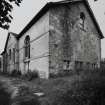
point(23, 14)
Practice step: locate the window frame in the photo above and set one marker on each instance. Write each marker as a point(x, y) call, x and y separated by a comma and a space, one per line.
point(14, 55)
point(10, 54)
point(27, 47)
point(82, 17)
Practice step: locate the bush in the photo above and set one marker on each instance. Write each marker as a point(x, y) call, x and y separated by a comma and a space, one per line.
point(29, 100)
point(15, 73)
point(52, 75)
point(31, 75)
point(62, 73)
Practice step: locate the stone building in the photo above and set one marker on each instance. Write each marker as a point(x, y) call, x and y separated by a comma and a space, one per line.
point(64, 35)
point(10, 54)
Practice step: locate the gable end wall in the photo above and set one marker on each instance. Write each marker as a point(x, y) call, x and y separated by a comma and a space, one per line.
point(69, 41)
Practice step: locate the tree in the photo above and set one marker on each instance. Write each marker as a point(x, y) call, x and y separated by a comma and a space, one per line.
point(6, 7)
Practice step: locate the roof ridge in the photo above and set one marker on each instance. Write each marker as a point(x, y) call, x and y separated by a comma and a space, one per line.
point(64, 1)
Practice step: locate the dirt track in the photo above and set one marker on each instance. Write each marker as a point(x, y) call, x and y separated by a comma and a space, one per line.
point(17, 90)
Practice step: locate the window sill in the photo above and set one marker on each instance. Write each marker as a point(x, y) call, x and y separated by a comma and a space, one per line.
point(26, 60)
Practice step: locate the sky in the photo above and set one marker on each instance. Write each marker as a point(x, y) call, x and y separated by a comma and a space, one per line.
point(28, 8)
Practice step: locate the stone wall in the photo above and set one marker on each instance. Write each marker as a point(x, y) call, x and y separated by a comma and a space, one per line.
point(74, 39)
point(11, 62)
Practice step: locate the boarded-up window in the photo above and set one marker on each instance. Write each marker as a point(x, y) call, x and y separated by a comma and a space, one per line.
point(27, 47)
point(78, 64)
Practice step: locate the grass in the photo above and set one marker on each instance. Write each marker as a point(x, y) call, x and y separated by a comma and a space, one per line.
point(82, 88)
point(4, 96)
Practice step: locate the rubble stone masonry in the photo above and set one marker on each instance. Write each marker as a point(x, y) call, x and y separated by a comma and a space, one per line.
point(73, 40)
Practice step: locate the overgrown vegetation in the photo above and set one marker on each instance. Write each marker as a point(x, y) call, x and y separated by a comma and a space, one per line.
point(4, 96)
point(30, 75)
point(62, 73)
point(86, 87)
point(25, 97)
point(15, 73)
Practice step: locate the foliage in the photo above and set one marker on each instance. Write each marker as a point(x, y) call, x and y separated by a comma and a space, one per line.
point(88, 91)
point(4, 96)
point(31, 75)
point(87, 87)
point(62, 73)
point(6, 7)
point(25, 97)
point(15, 73)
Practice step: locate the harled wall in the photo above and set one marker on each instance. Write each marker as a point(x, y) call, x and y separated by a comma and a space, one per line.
point(39, 48)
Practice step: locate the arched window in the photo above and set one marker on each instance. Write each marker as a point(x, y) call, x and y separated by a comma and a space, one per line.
point(10, 54)
point(14, 55)
point(27, 46)
point(82, 17)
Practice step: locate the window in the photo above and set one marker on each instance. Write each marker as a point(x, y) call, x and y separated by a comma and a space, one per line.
point(27, 46)
point(88, 65)
point(82, 17)
point(81, 64)
point(0, 63)
point(7, 59)
point(13, 55)
point(10, 53)
point(66, 64)
point(77, 64)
